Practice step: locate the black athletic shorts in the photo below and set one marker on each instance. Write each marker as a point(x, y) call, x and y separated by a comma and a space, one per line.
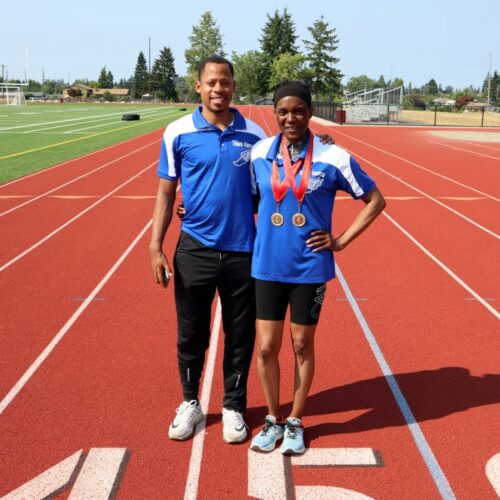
point(272, 299)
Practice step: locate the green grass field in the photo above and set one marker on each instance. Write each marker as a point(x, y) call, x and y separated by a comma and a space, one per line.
point(39, 135)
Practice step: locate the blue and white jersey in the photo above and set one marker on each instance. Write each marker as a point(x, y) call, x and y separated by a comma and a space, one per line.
point(214, 169)
point(281, 253)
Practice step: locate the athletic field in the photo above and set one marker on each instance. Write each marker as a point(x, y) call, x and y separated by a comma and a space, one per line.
point(405, 401)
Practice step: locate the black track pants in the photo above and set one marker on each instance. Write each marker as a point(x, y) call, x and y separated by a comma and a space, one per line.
point(199, 272)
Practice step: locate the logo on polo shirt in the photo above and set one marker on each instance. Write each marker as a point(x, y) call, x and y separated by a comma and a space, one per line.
point(316, 180)
point(243, 159)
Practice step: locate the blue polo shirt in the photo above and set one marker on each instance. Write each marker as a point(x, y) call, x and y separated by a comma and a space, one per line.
point(214, 169)
point(280, 253)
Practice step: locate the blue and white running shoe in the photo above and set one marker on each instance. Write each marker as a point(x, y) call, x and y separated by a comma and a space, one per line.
point(266, 439)
point(293, 440)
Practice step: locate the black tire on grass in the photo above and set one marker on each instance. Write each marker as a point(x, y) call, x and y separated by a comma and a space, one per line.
point(131, 116)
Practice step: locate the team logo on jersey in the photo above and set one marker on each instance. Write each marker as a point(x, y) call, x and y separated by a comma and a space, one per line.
point(316, 180)
point(243, 159)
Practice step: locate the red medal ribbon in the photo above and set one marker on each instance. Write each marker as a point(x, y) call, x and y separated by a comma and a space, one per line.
point(280, 189)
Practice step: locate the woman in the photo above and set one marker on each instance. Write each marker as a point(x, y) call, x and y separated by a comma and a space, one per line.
point(297, 178)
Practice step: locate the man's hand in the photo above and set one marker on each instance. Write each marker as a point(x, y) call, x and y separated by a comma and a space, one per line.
point(326, 139)
point(181, 211)
point(321, 240)
point(160, 267)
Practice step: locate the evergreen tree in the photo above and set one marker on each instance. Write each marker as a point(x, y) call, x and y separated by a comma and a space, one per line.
point(205, 40)
point(103, 80)
point(140, 78)
point(278, 37)
point(110, 82)
point(163, 75)
point(326, 78)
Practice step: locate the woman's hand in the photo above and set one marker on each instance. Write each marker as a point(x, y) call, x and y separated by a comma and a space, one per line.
point(321, 240)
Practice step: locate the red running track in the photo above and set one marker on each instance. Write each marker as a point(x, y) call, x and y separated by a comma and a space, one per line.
point(422, 320)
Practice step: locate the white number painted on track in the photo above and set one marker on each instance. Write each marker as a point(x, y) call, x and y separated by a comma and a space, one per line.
point(98, 475)
point(270, 474)
point(493, 472)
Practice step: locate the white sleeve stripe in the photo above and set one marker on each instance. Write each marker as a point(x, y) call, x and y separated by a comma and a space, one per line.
point(346, 171)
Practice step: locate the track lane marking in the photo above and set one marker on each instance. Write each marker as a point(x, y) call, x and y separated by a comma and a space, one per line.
point(432, 198)
point(445, 268)
point(418, 166)
point(418, 436)
point(462, 149)
point(193, 477)
point(71, 321)
point(76, 179)
point(73, 219)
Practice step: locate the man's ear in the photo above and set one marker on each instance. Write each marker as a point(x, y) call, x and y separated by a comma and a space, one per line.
point(198, 87)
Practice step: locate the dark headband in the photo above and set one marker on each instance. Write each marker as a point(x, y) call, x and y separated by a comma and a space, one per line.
point(293, 88)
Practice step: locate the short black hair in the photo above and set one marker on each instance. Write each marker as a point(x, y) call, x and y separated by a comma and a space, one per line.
point(296, 88)
point(216, 60)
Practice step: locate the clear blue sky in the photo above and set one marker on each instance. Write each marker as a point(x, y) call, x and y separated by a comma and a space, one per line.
point(450, 41)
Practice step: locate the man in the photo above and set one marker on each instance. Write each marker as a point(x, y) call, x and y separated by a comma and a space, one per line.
point(209, 152)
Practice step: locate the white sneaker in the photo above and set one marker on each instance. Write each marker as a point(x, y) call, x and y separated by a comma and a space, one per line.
point(234, 428)
point(188, 415)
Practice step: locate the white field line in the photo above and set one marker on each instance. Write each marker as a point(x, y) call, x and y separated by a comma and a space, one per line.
point(114, 121)
point(78, 119)
point(435, 200)
point(62, 332)
point(418, 166)
point(481, 145)
point(415, 430)
point(465, 150)
point(83, 120)
point(445, 268)
point(75, 179)
point(73, 219)
point(193, 477)
point(43, 170)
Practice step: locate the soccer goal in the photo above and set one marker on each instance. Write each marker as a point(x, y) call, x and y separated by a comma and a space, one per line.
point(12, 94)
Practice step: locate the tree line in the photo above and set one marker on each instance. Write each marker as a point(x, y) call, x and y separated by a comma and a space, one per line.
point(258, 71)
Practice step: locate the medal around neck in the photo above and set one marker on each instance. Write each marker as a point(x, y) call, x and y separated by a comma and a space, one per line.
point(277, 219)
point(299, 219)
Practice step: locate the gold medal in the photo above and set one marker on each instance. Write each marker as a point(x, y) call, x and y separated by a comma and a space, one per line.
point(299, 220)
point(277, 219)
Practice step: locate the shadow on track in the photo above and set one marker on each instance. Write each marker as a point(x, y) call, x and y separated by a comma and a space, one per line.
point(431, 394)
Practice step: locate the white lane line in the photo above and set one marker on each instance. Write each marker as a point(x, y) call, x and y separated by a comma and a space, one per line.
point(418, 166)
point(266, 475)
point(435, 200)
point(71, 321)
point(99, 474)
point(445, 268)
point(335, 457)
point(493, 472)
point(48, 482)
point(331, 492)
point(465, 150)
point(418, 436)
point(481, 145)
point(193, 477)
point(75, 179)
point(43, 170)
point(269, 131)
point(73, 219)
